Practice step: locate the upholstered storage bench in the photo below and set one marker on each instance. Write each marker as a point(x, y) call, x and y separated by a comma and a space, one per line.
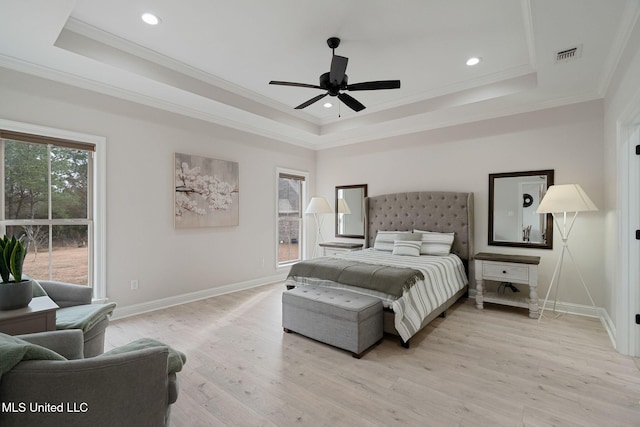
point(336, 317)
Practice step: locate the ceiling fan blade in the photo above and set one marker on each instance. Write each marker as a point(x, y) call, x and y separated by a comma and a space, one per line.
point(338, 69)
point(311, 101)
point(351, 102)
point(382, 84)
point(274, 82)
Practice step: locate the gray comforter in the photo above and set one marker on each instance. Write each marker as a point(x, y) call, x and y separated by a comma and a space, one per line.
point(390, 280)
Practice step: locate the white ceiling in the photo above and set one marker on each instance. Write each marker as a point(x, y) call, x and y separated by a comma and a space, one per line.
point(213, 59)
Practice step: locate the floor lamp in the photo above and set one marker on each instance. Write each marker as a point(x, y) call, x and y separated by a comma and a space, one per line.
point(564, 199)
point(318, 206)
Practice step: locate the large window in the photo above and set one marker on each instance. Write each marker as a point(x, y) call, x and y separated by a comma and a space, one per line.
point(291, 191)
point(47, 200)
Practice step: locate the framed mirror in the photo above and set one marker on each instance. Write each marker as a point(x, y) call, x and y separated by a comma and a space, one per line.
point(513, 200)
point(349, 208)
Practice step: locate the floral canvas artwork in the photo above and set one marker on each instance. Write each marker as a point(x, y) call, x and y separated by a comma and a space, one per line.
point(206, 192)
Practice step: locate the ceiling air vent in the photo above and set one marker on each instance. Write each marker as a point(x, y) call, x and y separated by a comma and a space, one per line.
point(569, 54)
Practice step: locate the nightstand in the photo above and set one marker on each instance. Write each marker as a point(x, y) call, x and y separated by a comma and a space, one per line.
point(332, 248)
point(507, 268)
point(38, 316)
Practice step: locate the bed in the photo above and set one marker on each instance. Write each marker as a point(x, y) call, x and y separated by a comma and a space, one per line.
point(408, 312)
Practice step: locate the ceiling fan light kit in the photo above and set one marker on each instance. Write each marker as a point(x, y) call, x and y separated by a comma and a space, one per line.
point(336, 81)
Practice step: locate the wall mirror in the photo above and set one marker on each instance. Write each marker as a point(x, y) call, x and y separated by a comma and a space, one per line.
point(513, 200)
point(350, 210)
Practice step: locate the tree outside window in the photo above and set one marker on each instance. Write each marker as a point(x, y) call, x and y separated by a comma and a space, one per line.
point(290, 220)
point(47, 204)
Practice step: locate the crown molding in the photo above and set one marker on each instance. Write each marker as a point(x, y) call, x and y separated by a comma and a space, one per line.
point(97, 35)
point(235, 119)
point(629, 19)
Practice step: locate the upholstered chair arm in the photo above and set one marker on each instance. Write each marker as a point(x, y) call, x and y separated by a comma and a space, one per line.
point(173, 388)
point(114, 390)
point(68, 344)
point(67, 294)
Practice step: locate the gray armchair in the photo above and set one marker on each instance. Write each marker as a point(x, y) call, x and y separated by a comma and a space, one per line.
point(68, 295)
point(128, 389)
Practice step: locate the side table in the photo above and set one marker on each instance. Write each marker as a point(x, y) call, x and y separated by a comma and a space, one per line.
point(38, 316)
point(507, 268)
point(332, 248)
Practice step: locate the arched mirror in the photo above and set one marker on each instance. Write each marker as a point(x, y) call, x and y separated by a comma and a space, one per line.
point(349, 206)
point(513, 200)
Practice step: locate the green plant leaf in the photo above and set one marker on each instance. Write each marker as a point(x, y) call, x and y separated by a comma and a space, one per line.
point(6, 255)
point(17, 260)
point(12, 254)
point(4, 269)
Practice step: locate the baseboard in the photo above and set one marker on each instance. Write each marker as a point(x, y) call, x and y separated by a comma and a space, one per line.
point(571, 308)
point(589, 311)
point(609, 326)
point(132, 310)
point(580, 310)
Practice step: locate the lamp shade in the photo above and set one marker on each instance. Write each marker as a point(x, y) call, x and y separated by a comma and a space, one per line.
point(565, 198)
point(343, 207)
point(318, 205)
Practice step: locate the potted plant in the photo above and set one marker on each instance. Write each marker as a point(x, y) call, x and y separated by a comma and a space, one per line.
point(14, 291)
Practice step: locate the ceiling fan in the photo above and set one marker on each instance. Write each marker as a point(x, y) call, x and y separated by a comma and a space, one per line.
point(336, 80)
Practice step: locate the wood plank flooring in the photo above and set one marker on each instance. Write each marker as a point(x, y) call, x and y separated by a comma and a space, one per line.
point(494, 367)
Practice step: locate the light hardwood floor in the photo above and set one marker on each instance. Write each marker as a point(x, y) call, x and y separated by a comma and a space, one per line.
point(494, 367)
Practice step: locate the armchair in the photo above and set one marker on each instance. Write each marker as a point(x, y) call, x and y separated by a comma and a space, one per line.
point(128, 389)
point(75, 302)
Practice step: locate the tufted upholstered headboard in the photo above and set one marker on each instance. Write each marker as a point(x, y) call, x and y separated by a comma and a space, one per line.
point(424, 210)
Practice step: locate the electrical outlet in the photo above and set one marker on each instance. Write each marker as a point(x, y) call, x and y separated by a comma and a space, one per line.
point(134, 284)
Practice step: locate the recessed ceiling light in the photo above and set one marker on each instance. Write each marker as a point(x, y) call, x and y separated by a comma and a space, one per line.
point(328, 105)
point(473, 61)
point(150, 18)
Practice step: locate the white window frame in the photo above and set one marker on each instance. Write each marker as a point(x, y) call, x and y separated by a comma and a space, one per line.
point(303, 225)
point(98, 194)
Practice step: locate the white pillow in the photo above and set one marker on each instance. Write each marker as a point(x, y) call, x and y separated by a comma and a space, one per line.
point(407, 247)
point(434, 243)
point(384, 239)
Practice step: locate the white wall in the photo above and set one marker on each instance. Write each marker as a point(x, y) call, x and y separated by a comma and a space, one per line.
point(460, 158)
point(142, 243)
